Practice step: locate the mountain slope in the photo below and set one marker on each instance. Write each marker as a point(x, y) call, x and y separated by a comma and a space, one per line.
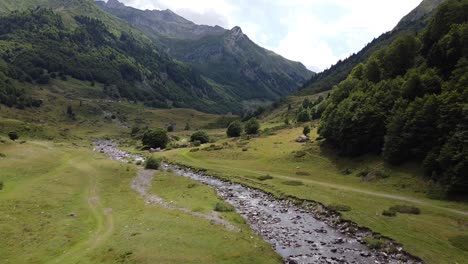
point(414, 22)
point(409, 101)
point(38, 44)
point(227, 57)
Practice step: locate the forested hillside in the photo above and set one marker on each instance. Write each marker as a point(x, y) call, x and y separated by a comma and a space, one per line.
point(414, 22)
point(409, 101)
point(37, 46)
point(228, 58)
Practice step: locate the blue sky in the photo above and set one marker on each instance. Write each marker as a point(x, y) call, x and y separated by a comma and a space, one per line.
point(315, 32)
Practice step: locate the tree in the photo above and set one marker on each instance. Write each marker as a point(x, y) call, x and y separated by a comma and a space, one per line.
point(252, 126)
point(201, 136)
point(234, 129)
point(306, 131)
point(13, 136)
point(155, 138)
point(303, 116)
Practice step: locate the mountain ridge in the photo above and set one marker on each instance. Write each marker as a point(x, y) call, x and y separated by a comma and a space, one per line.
point(412, 23)
point(227, 57)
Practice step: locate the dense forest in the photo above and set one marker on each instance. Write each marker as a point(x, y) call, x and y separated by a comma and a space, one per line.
point(409, 101)
point(36, 46)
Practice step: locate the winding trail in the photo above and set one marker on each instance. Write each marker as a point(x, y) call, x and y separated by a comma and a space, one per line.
point(102, 217)
point(142, 183)
point(190, 158)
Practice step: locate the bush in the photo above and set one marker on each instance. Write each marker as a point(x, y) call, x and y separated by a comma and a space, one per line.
point(293, 183)
point(155, 139)
point(389, 213)
point(2, 155)
point(196, 143)
point(306, 131)
point(234, 129)
point(374, 243)
point(138, 163)
point(265, 177)
point(13, 136)
point(302, 173)
point(171, 128)
point(300, 154)
point(223, 207)
point(200, 136)
point(152, 163)
point(405, 209)
point(340, 207)
point(1, 185)
point(252, 126)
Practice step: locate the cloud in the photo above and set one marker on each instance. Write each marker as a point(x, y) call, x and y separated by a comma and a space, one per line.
point(316, 32)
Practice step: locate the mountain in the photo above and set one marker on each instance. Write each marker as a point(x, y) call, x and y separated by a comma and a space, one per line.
point(409, 101)
point(228, 59)
point(413, 23)
point(79, 40)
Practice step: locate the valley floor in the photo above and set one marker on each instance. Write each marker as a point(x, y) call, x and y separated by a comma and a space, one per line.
point(66, 204)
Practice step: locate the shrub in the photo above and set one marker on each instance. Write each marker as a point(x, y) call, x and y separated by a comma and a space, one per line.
point(265, 177)
point(340, 207)
point(252, 126)
point(152, 163)
point(195, 150)
point(293, 183)
point(306, 131)
point(13, 136)
point(200, 136)
point(300, 154)
point(223, 207)
point(303, 116)
point(155, 139)
point(389, 213)
point(405, 209)
point(245, 149)
point(302, 173)
point(1, 185)
point(196, 143)
point(374, 243)
point(192, 185)
point(138, 163)
point(346, 171)
point(234, 129)
point(2, 155)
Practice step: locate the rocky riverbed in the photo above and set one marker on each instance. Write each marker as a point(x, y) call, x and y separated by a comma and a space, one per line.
point(298, 233)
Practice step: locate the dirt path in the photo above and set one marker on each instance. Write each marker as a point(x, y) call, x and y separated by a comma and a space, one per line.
point(102, 217)
point(142, 183)
point(337, 186)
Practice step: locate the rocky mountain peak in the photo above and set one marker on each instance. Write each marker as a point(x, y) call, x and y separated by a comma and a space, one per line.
point(115, 4)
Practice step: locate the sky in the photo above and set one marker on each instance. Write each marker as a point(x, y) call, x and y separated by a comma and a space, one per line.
point(317, 33)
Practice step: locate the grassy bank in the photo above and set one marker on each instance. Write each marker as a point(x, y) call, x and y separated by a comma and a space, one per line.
point(366, 185)
point(66, 204)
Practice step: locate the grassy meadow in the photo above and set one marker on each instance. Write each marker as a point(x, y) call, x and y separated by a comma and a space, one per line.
point(66, 204)
point(311, 172)
point(62, 203)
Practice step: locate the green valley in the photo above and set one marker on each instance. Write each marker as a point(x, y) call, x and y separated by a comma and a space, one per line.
point(138, 136)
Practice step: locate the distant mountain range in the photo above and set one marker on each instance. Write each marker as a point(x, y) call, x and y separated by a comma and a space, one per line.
point(227, 58)
point(413, 23)
point(155, 57)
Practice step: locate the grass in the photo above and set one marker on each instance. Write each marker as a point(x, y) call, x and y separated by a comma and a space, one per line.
point(425, 235)
point(460, 242)
point(66, 204)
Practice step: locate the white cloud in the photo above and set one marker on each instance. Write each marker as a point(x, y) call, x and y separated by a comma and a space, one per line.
point(316, 32)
